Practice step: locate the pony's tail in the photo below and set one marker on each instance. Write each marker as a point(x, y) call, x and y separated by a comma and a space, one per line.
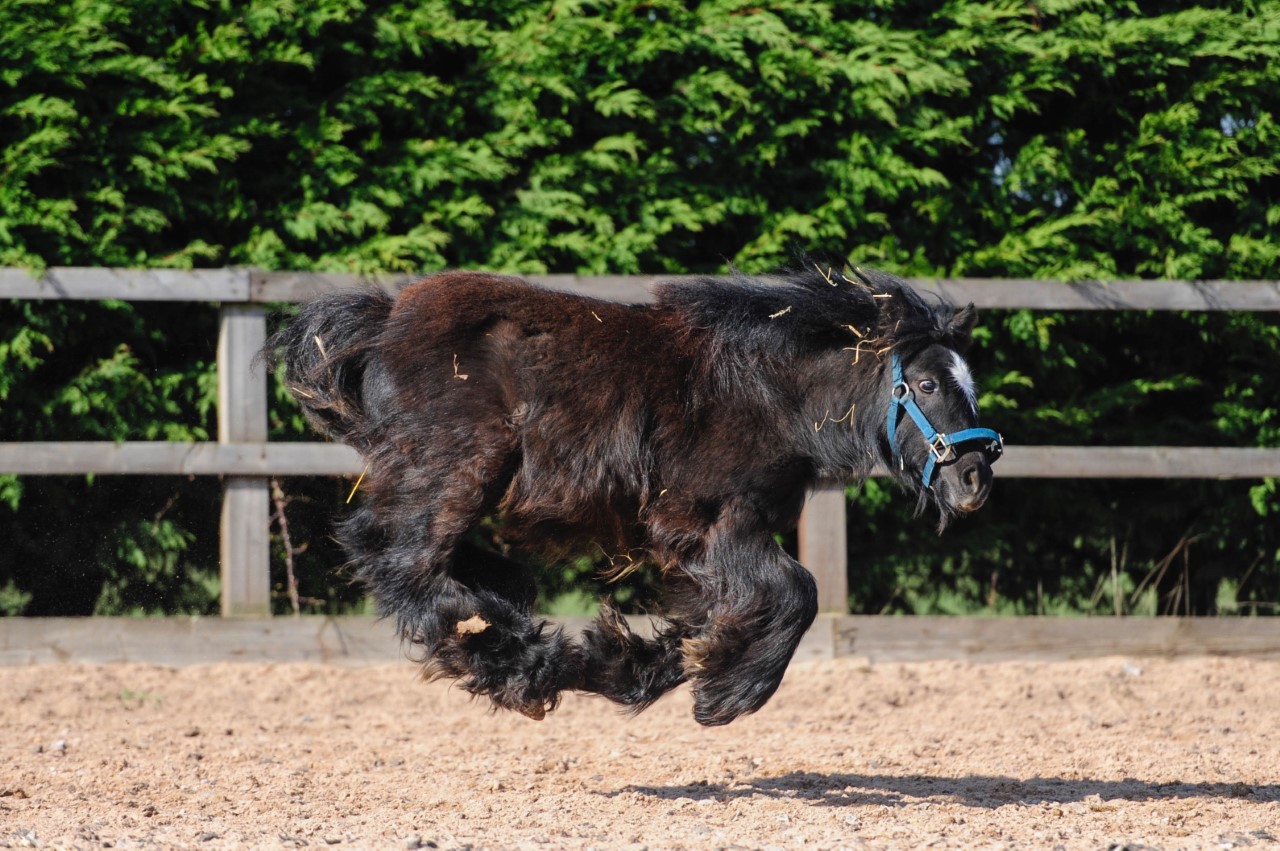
point(328, 353)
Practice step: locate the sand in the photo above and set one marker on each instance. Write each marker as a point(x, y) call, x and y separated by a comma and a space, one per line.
point(1104, 753)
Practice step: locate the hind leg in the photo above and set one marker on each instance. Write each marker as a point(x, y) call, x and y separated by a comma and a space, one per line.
point(418, 505)
point(467, 607)
point(627, 668)
point(480, 631)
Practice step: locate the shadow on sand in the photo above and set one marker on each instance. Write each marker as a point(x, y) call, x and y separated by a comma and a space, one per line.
point(844, 790)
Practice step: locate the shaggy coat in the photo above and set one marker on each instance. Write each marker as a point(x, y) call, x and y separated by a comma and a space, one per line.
point(684, 433)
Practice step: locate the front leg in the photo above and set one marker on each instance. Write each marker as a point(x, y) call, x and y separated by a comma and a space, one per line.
point(759, 604)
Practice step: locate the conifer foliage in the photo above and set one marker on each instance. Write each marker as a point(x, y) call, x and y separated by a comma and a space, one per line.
point(1052, 139)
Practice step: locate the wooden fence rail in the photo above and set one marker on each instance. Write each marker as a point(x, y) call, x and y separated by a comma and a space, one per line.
point(246, 460)
point(251, 286)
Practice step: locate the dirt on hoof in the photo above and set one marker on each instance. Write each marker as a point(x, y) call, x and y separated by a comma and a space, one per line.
point(1104, 753)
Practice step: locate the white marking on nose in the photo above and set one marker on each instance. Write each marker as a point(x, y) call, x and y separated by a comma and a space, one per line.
point(963, 378)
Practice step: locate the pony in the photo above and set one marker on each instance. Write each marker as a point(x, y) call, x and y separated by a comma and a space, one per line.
point(687, 430)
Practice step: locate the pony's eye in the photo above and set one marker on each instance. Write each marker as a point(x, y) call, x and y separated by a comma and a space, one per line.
point(928, 385)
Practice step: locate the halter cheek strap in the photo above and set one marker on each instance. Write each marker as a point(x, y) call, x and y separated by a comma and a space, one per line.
point(942, 446)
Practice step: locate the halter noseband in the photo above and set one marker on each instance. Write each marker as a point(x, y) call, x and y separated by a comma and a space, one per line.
point(942, 447)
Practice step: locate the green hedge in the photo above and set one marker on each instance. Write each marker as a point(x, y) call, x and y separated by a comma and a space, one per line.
point(1068, 139)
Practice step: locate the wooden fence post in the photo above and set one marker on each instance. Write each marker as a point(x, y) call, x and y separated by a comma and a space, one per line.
point(242, 418)
point(823, 546)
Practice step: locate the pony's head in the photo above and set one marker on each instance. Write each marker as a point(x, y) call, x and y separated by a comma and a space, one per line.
point(859, 366)
point(931, 440)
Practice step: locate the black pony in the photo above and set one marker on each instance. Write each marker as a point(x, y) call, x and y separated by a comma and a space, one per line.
point(687, 430)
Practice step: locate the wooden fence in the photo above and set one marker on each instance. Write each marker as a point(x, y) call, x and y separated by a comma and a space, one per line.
point(246, 460)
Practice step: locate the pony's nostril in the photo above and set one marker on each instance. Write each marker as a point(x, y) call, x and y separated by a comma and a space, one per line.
point(972, 481)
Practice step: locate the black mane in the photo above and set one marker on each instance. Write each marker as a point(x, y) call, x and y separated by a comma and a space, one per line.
point(813, 306)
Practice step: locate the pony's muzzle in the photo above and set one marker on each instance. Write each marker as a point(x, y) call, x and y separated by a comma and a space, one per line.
point(974, 482)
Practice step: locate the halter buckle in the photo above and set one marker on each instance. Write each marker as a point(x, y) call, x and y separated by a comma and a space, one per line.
point(942, 451)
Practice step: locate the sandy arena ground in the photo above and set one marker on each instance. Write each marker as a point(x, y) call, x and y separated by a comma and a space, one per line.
point(1107, 753)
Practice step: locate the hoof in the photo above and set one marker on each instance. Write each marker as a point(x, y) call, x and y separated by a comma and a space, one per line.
point(536, 711)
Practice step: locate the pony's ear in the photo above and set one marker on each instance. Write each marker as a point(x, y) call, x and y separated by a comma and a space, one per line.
point(960, 328)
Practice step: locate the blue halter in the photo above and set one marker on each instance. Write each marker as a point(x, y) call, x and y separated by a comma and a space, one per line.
point(942, 447)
